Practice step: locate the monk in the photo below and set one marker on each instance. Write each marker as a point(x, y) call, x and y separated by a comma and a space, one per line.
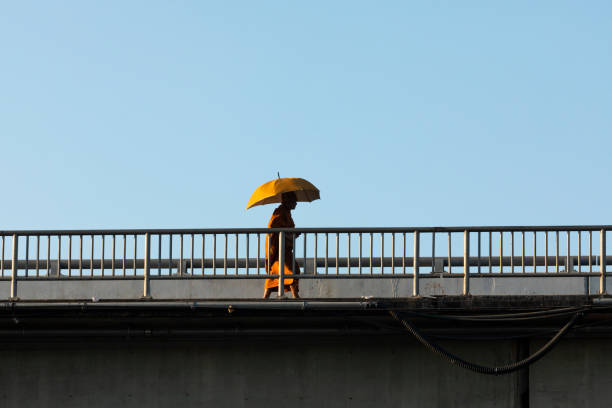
point(281, 218)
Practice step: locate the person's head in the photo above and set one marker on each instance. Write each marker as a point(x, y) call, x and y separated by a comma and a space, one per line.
point(289, 200)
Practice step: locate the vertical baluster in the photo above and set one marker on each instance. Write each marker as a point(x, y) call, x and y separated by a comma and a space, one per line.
point(404, 253)
point(37, 256)
point(393, 253)
point(479, 252)
point(258, 251)
point(69, 255)
point(14, 266)
point(59, 255)
point(2, 260)
point(159, 252)
point(535, 236)
point(557, 251)
point(102, 256)
point(191, 258)
point(135, 253)
point(490, 251)
point(523, 251)
point(371, 250)
point(91, 255)
point(466, 262)
point(225, 255)
point(214, 255)
point(294, 252)
point(203, 253)
point(281, 263)
point(450, 266)
point(326, 251)
point(337, 250)
point(545, 252)
point(81, 256)
point(360, 251)
point(433, 252)
point(602, 261)
point(590, 251)
point(181, 266)
point(269, 238)
point(511, 251)
point(113, 266)
point(124, 253)
point(579, 251)
point(146, 267)
point(382, 253)
point(316, 239)
point(304, 238)
point(501, 251)
point(27, 254)
point(236, 254)
point(567, 254)
point(348, 256)
point(246, 263)
point(415, 263)
point(48, 254)
point(170, 242)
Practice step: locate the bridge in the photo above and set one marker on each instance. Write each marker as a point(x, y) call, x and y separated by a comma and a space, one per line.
point(395, 316)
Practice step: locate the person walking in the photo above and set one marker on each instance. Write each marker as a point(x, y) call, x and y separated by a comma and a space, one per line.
point(281, 218)
point(286, 191)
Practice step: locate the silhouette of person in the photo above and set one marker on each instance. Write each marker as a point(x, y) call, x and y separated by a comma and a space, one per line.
point(281, 218)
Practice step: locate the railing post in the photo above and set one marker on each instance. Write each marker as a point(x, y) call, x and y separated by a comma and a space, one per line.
point(415, 264)
point(15, 256)
point(602, 262)
point(147, 267)
point(281, 264)
point(466, 262)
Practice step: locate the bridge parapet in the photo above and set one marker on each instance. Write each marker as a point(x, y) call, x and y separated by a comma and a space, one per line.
point(336, 262)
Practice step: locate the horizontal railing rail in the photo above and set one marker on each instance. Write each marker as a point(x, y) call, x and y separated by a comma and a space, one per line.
point(408, 252)
point(185, 231)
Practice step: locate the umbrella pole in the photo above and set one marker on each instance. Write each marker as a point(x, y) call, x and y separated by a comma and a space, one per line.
point(281, 264)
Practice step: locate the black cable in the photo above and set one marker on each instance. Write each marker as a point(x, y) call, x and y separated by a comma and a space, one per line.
point(506, 369)
point(539, 333)
point(502, 317)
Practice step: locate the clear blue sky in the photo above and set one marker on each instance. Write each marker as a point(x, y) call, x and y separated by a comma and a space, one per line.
point(136, 114)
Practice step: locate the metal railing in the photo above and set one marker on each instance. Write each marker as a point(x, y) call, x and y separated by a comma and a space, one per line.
point(322, 253)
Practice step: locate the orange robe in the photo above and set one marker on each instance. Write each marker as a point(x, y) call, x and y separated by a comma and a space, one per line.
point(281, 218)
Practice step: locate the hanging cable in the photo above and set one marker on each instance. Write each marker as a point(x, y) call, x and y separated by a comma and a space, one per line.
point(541, 314)
point(506, 369)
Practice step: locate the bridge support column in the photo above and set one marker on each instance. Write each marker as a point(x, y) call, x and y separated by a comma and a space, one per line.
point(522, 376)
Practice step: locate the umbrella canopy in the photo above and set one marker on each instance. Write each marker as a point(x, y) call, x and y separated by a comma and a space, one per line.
point(272, 191)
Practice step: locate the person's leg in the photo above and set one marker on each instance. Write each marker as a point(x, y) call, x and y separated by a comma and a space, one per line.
point(295, 286)
point(267, 292)
point(295, 290)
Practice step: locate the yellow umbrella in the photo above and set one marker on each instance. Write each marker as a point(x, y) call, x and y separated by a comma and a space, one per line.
point(272, 191)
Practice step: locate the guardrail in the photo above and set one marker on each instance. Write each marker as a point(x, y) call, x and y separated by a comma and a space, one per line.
point(355, 253)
